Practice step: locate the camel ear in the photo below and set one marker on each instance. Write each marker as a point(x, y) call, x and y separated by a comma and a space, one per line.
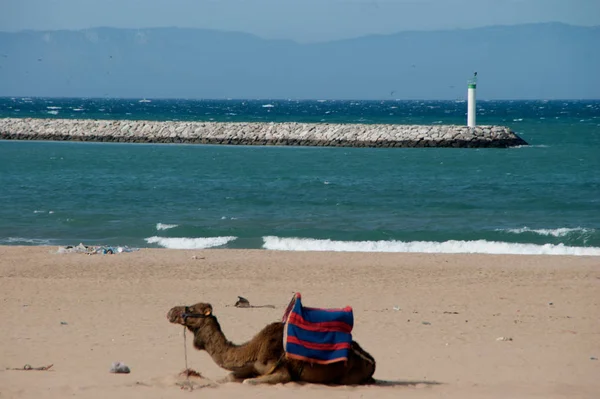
point(207, 312)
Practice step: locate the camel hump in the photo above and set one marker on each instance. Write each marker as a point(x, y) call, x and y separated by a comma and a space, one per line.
point(316, 335)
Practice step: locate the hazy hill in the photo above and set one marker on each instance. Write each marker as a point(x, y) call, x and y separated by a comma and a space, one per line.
point(542, 61)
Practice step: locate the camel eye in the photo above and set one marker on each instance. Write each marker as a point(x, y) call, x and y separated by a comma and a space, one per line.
point(188, 309)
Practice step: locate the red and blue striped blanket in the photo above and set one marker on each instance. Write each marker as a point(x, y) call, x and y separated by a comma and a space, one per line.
point(314, 335)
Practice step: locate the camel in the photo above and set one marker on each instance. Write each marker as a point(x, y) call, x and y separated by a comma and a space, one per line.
point(262, 360)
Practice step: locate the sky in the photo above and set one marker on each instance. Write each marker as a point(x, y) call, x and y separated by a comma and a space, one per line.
point(299, 20)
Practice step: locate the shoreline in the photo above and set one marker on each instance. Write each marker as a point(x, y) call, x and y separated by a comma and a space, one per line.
point(293, 245)
point(260, 133)
point(433, 322)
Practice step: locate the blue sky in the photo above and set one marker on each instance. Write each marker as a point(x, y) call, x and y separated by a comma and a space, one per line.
point(300, 20)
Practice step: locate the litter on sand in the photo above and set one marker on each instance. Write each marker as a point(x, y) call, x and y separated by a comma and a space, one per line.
point(120, 368)
point(28, 367)
point(94, 249)
point(244, 303)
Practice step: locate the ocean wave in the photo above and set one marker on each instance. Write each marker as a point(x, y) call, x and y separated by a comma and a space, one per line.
point(189, 243)
point(449, 247)
point(560, 232)
point(531, 146)
point(23, 241)
point(163, 226)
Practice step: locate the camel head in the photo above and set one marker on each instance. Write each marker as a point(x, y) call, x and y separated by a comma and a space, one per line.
point(193, 317)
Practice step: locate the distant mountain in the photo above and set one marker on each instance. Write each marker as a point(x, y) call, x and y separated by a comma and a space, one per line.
point(538, 61)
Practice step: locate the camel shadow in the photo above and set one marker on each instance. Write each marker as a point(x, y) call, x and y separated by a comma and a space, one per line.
point(381, 383)
point(403, 383)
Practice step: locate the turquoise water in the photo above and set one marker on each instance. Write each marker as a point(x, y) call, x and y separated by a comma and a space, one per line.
point(543, 198)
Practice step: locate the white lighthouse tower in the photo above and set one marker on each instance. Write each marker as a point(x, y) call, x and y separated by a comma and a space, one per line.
point(471, 103)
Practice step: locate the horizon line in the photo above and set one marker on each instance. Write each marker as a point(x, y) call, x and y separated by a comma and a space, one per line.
point(9, 97)
point(351, 37)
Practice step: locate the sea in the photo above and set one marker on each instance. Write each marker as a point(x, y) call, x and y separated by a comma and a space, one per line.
point(543, 198)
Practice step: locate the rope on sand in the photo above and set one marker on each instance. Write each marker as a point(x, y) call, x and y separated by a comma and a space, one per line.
point(188, 372)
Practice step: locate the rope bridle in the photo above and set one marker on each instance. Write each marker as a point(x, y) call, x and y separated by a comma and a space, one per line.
point(186, 315)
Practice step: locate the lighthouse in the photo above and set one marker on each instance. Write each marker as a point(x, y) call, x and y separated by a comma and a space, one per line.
point(471, 103)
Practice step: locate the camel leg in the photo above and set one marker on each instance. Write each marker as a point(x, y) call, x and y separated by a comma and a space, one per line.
point(238, 375)
point(231, 377)
point(280, 376)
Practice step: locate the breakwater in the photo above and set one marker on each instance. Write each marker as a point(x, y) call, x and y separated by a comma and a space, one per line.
point(259, 133)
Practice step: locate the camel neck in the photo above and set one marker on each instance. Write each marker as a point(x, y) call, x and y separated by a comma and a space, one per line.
point(222, 351)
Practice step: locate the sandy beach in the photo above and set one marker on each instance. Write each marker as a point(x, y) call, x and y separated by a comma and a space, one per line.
point(432, 322)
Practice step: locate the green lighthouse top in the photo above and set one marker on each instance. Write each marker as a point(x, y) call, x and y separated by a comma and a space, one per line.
point(473, 81)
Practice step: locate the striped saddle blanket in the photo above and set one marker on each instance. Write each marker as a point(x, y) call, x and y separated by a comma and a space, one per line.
point(314, 335)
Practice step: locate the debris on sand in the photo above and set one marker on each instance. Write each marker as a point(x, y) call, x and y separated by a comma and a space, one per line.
point(28, 367)
point(190, 373)
point(504, 339)
point(94, 249)
point(190, 379)
point(120, 368)
point(244, 303)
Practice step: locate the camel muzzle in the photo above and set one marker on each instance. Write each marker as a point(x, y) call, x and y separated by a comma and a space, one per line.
point(174, 315)
point(180, 315)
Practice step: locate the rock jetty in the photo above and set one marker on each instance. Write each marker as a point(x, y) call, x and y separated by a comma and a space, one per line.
point(261, 133)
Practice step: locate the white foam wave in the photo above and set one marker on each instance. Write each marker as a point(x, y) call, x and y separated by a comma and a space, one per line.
point(189, 243)
point(448, 247)
point(51, 107)
point(22, 240)
point(268, 106)
point(163, 226)
point(53, 112)
point(561, 232)
point(531, 146)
